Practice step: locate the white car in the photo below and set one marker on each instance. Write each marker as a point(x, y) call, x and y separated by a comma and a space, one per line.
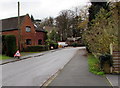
point(63, 44)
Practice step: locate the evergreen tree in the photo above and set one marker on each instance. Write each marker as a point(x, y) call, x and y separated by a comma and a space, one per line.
point(95, 8)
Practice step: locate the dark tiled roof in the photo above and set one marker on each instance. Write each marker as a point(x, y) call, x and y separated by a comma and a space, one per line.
point(38, 28)
point(11, 23)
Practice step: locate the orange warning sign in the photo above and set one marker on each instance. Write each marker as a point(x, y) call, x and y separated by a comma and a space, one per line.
point(17, 54)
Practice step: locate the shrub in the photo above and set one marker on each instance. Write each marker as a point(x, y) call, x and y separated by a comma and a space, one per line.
point(52, 43)
point(74, 44)
point(36, 48)
point(10, 44)
point(94, 65)
point(105, 59)
point(55, 45)
point(3, 44)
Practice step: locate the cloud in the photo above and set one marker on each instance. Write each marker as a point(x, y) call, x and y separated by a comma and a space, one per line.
point(38, 8)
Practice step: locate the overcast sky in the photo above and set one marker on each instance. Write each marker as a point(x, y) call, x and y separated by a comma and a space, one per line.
point(38, 8)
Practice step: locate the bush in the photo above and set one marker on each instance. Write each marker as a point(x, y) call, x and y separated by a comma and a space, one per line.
point(36, 48)
point(94, 65)
point(55, 45)
point(106, 59)
point(52, 43)
point(10, 44)
point(3, 44)
point(74, 44)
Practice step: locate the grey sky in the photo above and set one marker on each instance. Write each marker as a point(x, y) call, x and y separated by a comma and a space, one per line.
point(38, 8)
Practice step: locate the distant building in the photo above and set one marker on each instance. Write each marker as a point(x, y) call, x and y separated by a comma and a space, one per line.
point(72, 40)
point(31, 33)
point(49, 29)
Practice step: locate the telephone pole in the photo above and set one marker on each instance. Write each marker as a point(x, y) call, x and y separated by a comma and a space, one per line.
point(19, 32)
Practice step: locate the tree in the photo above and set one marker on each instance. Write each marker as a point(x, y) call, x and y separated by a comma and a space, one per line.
point(47, 22)
point(67, 22)
point(54, 36)
point(103, 31)
point(95, 8)
point(63, 22)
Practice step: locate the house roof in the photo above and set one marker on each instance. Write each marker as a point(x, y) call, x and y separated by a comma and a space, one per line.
point(11, 23)
point(73, 38)
point(38, 28)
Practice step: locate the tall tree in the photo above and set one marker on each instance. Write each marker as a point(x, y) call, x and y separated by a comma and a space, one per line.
point(104, 31)
point(95, 8)
point(64, 21)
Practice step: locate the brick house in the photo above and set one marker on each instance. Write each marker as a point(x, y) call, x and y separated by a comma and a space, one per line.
point(31, 34)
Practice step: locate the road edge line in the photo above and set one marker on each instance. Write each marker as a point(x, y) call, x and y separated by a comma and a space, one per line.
point(56, 73)
point(109, 81)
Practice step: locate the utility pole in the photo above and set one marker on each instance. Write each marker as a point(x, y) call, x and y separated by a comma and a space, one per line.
point(19, 31)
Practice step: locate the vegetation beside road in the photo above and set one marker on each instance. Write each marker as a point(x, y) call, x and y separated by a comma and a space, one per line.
point(3, 57)
point(94, 66)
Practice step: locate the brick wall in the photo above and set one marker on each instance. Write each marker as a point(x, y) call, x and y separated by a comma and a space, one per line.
point(40, 35)
point(33, 35)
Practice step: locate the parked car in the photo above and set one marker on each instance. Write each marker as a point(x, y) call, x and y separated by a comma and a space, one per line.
point(62, 44)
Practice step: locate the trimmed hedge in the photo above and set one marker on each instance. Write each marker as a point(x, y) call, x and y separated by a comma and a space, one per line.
point(36, 48)
point(3, 44)
point(10, 45)
point(74, 44)
point(0, 44)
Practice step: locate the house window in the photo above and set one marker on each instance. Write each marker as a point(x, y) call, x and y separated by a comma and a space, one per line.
point(28, 41)
point(39, 42)
point(28, 28)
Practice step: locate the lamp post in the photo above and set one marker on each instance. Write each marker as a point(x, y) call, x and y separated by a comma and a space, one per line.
point(19, 32)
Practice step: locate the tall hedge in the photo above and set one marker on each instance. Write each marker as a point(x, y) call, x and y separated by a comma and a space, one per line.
point(3, 44)
point(0, 44)
point(10, 43)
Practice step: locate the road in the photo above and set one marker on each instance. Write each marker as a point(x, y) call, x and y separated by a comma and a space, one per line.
point(35, 71)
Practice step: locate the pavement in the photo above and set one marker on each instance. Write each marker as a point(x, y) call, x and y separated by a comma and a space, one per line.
point(114, 80)
point(76, 73)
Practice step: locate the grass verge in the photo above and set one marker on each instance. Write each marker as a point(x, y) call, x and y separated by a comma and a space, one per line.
point(94, 65)
point(28, 53)
point(3, 57)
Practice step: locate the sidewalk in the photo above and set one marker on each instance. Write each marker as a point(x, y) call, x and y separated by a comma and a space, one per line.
point(26, 56)
point(76, 73)
point(113, 79)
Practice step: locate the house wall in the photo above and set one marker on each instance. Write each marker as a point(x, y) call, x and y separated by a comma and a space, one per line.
point(33, 35)
point(27, 35)
point(40, 35)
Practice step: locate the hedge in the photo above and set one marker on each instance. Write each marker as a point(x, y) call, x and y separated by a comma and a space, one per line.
point(10, 45)
point(3, 44)
point(36, 48)
point(0, 44)
point(54, 45)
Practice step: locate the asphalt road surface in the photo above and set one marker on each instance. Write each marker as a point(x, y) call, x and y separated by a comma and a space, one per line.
point(35, 71)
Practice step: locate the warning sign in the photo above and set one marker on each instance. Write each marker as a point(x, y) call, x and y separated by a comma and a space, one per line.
point(17, 54)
